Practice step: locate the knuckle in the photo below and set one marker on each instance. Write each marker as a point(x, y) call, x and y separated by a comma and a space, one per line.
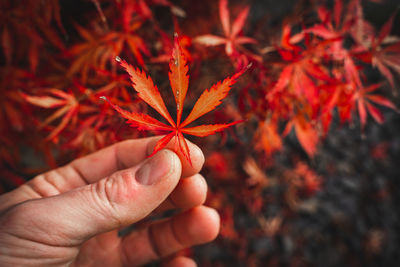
point(103, 203)
point(112, 194)
point(120, 186)
point(47, 184)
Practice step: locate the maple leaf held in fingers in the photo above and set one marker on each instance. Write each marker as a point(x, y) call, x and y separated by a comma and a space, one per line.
point(179, 81)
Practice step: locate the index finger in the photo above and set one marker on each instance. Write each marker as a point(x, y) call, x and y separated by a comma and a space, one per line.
point(96, 166)
point(127, 154)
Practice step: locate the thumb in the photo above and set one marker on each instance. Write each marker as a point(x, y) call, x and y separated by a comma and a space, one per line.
point(121, 199)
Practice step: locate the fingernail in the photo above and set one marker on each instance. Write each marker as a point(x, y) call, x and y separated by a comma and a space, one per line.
point(155, 168)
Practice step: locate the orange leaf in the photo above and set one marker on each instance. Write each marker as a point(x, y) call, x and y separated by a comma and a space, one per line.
point(205, 130)
point(67, 118)
point(162, 143)
point(147, 90)
point(142, 121)
point(68, 108)
point(178, 78)
point(307, 136)
point(211, 98)
point(179, 83)
point(183, 146)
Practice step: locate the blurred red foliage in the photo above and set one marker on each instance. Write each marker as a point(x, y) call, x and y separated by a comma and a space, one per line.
point(55, 67)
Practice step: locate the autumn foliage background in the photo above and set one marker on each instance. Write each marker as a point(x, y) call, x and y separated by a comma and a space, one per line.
point(309, 178)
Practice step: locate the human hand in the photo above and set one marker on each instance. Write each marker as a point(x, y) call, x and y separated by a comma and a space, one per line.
point(70, 216)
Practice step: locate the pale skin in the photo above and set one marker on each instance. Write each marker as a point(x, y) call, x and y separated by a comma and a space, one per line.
point(70, 216)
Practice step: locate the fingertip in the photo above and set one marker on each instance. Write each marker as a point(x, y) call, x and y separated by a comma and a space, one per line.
point(180, 261)
point(198, 189)
point(176, 165)
point(210, 217)
point(203, 224)
point(166, 237)
point(196, 156)
point(164, 164)
point(190, 192)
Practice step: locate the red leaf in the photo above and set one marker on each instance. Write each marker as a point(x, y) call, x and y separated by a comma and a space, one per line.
point(384, 70)
point(375, 113)
point(307, 136)
point(67, 118)
point(178, 78)
point(386, 28)
point(162, 143)
point(323, 14)
point(7, 45)
point(337, 12)
point(231, 40)
point(68, 109)
point(351, 71)
point(210, 40)
point(362, 112)
point(211, 98)
point(321, 31)
point(283, 80)
point(382, 101)
point(44, 101)
point(224, 16)
point(183, 146)
point(270, 139)
point(142, 121)
point(239, 21)
point(245, 40)
point(363, 97)
point(205, 130)
point(147, 91)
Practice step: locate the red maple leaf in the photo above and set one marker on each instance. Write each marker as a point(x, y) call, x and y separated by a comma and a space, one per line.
point(365, 99)
point(305, 132)
point(301, 71)
point(179, 81)
point(66, 102)
point(100, 49)
point(383, 54)
point(386, 57)
point(333, 24)
point(232, 40)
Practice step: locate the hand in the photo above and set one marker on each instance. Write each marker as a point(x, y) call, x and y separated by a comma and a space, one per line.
point(71, 215)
